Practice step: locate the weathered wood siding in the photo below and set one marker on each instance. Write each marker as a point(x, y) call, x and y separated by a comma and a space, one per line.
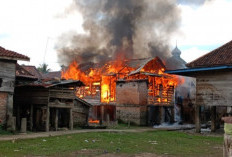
point(3, 104)
point(7, 75)
point(62, 93)
point(80, 114)
point(214, 88)
point(31, 96)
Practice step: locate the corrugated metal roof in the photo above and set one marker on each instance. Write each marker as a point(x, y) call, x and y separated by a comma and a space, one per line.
point(142, 63)
point(217, 57)
point(83, 101)
point(7, 54)
point(137, 64)
point(53, 83)
point(190, 71)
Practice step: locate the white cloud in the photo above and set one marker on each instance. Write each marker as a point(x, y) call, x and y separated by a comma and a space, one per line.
point(26, 25)
point(204, 27)
point(209, 24)
point(192, 53)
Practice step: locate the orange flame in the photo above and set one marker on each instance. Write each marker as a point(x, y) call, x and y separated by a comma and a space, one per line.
point(102, 80)
point(94, 121)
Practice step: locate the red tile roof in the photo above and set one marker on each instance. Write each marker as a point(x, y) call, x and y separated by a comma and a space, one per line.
point(7, 54)
point(217, 57)
point(33, 71)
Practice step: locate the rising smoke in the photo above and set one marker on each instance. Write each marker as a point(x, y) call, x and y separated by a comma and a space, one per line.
point(122, 29)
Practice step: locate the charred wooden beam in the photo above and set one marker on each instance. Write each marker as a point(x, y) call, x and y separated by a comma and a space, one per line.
point(47, 119)
point(198, 118)
point(70, 119)
point(56, 119)
point(31, 118)
point(213, 118)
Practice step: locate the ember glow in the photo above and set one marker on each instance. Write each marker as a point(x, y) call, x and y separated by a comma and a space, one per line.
point(94, 121)
point(101, 80)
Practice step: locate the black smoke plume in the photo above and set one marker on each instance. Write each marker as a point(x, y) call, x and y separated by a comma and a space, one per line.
point(122, 29)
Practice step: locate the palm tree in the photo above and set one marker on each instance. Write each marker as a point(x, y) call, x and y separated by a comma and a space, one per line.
point(43, 68)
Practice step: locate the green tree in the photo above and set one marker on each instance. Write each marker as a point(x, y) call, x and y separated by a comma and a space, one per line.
point(43, 68)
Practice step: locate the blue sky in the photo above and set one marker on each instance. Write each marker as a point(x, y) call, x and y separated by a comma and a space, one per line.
point(28, 26)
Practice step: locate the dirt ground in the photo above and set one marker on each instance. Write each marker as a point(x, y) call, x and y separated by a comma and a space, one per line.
point(32, 135)
point(90, 153)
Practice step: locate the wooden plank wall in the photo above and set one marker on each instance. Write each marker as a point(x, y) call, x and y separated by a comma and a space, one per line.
point(31, 96)
point(214, 88)
point(7, 75)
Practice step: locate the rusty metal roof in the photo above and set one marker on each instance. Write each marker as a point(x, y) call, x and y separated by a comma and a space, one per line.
point(83, 101)
point(32, 69)
point(218, 57)
point(11, 55)
point(136, 64)
point(50, 75)
point(53, 83)
point(140, 64)
point(23, 73)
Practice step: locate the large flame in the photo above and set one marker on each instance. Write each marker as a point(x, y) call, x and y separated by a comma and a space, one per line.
point(102, 81)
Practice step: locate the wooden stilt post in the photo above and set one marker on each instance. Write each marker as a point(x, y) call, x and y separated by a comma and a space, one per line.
point(31, 118)
point(102, 113)
point(18, 117)
point(70, 119)
point(162, 114)
point(213, 118)
point(197, 118)
point(47, 119)
point(172, 115)
point(56, 119)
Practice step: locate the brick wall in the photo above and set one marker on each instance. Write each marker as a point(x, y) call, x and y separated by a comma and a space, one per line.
point(132, 92)
point(134, 113)
point(3, 104)
point(131, 99)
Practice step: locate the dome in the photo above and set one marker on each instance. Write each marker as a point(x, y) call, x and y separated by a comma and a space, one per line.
point(176, 52)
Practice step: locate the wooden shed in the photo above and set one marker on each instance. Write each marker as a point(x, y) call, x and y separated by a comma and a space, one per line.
point(46, 105)
point(213, 73)
point(8, 61)
point(81, 112)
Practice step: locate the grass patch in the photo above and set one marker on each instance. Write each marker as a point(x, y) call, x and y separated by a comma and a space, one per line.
point(3, 131)
point(159, 142)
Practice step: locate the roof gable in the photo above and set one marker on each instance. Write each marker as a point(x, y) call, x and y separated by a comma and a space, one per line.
point(217, 57)
point(32, 70)
point(23, 73)
point(11, 55)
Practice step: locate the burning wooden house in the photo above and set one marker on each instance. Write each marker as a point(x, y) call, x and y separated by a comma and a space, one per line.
point(213, 85)
point(47, 105)
point(105, 83)
point(8, 61)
